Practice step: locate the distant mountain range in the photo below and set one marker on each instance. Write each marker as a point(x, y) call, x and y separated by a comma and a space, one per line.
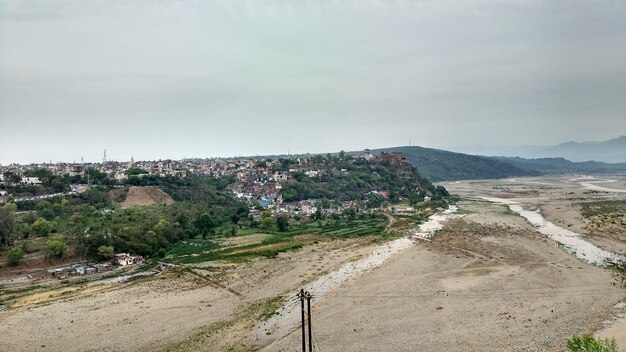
point(556, 166)
point(441, 165)
point(611, 151)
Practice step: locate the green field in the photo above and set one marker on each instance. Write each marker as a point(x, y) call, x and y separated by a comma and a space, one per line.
point(254, 242)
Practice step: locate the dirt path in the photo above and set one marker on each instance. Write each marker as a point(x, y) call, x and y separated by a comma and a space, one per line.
point(392, 221)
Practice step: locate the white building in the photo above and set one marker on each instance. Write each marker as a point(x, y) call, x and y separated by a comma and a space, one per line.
point(30, 181)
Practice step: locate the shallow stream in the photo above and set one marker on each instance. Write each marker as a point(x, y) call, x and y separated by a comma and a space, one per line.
point(571, 241)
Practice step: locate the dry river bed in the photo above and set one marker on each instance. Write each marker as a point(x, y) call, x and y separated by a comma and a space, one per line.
point(488, 281)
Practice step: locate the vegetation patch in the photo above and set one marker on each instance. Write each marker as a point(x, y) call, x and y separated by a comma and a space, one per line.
point(588, 343)
point(606, 218)
point(592, 209)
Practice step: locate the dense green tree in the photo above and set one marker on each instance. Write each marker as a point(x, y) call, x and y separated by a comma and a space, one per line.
point(8, 227)
point(204, 222)
point(136, 171)
point(282, 223)
point(43, 227)
point(56, 248)
point(266, 223)
point(106, 252)
point(14, 256)
point(45, 176)
point(350, 213)
point(12, 177)
point(96, 196)
point(318, 213)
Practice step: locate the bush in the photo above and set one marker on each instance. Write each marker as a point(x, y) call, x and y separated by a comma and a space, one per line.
point(106, 252)
point(588, 343)
point(28, 247)
point(14, 256)
point(56, 248)
point(282, 222)
point(43, 227)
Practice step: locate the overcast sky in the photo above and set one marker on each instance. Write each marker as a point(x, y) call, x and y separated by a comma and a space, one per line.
point(173, 79)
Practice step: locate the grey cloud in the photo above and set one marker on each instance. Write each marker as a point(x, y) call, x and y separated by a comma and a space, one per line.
point(193, 78)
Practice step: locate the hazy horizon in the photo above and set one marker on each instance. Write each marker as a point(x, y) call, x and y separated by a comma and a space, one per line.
point(174, 79)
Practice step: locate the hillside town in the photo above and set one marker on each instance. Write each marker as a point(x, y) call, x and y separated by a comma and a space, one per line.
point(256, 181)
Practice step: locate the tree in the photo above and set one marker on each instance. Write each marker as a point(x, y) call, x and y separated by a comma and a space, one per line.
point(266, 223)
point(14, 256)
point(441, 191)
point(350, 213)
point(162, 227)
point(318, 214)
point(43, 227)
point(12, 177)
point(44, 175)
point(204, 223)
point(282, 222)
point(56, 248)
point(106, 252)
point(136, 171)
point(587, 343)
point(8, 227)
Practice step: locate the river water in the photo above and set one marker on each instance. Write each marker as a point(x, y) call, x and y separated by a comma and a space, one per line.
point(571, 241)
point(592, 183)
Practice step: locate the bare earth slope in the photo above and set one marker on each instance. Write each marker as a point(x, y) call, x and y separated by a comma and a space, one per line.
point(139, 196)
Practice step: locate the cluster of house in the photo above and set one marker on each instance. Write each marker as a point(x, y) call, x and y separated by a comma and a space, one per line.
point(86, 268)
point(257, 181)
point(117, 170)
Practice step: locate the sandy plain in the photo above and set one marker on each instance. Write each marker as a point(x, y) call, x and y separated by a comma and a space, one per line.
point(487, 282)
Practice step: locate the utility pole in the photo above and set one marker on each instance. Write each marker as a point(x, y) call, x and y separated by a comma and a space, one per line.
point(304, 295)
point(308, 309)
point(301, 296)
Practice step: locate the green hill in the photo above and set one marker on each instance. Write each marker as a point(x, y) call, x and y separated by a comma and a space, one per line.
point(440, 165)
point(563, 166)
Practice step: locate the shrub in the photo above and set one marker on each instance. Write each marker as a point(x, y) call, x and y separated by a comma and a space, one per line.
point(56, 248)
point(588, 343)
point(282, 222)
point(106, 252)
point(28, 247)
point(43, 227)
point(14, 256)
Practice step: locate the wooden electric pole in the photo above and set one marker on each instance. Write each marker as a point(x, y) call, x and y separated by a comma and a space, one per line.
point(301, 295)
point(308, 309)
point(306, 295)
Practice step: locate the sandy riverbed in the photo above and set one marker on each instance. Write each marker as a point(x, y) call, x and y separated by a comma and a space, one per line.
point(488, 282)
point(510, 289)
